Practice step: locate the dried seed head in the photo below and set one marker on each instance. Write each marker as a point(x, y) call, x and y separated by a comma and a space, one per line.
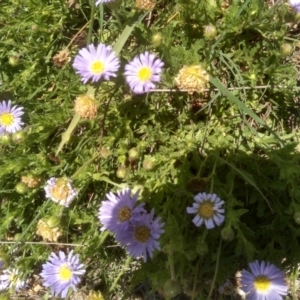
point(95, 296)
point(145, 4)
point(86, 107)
point(48, 233)
point(32, 181)
point(192, 79)
point(61, 58)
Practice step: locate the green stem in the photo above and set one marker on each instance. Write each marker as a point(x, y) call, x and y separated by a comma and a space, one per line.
point(89, 37)
point(171, 263)
point(216, 271)
point(116, 15)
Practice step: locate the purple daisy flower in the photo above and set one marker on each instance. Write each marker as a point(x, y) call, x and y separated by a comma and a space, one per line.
point(142, 72)
point(208, 210)
point(119, 210)
point(60, 190)
point(96, 62)
point(295, 4)
point(10, 120)
point(141, 237)
point(62, 272)
point(264, 282)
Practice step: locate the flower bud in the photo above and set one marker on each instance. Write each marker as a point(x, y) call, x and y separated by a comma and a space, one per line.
point(122, 172)
point(190, 254)
point(202, 248)
point(210, 31)
point(53, 222)
point(21, 188)
point(19, 136)
point(34, 27)
point(286, 49)
point(5, 139)
point(133, 154)
point(105, 153)
point(157, 39)
point(171, 288)
point(86, 107)
point(297, 217)
point(14, 60)
point(227, 234)
point(148, 163)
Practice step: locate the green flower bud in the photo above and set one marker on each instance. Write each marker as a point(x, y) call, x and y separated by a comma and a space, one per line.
point(122, 172)
point(227, 234)
point(14, 60)
point(133, 154)
point(190, 255)
point(210, 31)
point(171, 288)
point(157, 39)
point(17, 236)
point(297, 217)
point(53, 222)
point(19, 136)
point(105, 153)
point(34, 27)
point(5, 139)
point(21, 188)
point(148, 163)
point(202, 248)
point(286, 49)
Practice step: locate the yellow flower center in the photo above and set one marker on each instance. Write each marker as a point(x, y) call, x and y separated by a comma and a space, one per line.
point(65, 273)
point(142, 233)
point(144, 74)
point(97, 67)
point(6, 119)
point(124, 214)
point(262, 283)
point(61, 190)
point(206, 210)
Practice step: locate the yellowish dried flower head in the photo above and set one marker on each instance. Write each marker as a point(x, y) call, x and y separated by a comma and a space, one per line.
point(32, 181)
point(61, 58)
point(86, 107)
point(145, 4)
point(95, 296)
point(48, 233)
point(192, 79)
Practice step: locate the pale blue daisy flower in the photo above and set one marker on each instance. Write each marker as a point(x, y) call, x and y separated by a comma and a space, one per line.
point(141, 238)
point(143, 72)
point(119, 210)
point(96, 62)
point(295, 4)
point(10, 120)
point(62, 272)
point(264, 282)
point(11, 279)
point(208, 210)
point(60, 190)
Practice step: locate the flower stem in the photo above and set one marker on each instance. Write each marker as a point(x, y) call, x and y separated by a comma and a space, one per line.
point(171, 263)
point(216, 271)
point(89, 37)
